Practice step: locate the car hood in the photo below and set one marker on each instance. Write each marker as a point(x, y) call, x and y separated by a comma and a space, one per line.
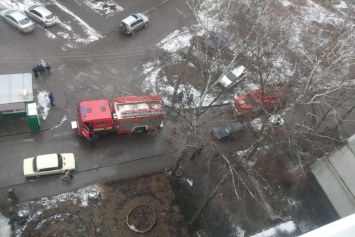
point(144, 17)
point(68, 161)
point(224, 81)
point(28, 166)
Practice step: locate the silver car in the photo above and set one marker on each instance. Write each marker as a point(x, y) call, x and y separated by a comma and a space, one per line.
point(134, 22)
point(18, 20)
point(41, 15)
point(233, 77)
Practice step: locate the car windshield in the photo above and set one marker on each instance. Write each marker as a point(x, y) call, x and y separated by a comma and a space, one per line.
point(227, 129)
point(35, 164)
point(231, 76)
point(60, 161)
point(24, 21)
point(49, 16)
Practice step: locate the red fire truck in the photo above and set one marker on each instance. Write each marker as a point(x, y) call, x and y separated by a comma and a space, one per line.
point(254, 101)
point(121, 115)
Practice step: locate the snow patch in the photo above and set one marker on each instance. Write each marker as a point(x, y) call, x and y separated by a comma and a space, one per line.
point(5, 228)
point(132, 227)
point(37, 207)
point(288, 227)
point(190, 182)
point(105, 8)
point(91, 32)
point(176, 40)
point(43, 104)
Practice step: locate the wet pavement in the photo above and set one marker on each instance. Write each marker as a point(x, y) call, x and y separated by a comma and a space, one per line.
point(75, 76)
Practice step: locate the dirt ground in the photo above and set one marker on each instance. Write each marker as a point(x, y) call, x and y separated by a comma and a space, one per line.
point(148, 203)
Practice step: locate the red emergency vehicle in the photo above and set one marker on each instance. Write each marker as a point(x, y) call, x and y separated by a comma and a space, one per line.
point(121, 115)
point(255, 101)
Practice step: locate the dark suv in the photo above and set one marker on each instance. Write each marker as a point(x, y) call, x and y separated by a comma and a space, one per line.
point(211, 42)
point(134, 22)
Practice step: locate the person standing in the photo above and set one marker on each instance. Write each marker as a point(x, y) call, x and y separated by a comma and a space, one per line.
point(51, 98)
point(66, 176)
point(180, 97)
point(190, 99)
point(35, 71)
point(11, 195)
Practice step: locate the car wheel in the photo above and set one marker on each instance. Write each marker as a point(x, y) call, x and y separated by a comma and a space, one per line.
point(133, 33)
point(43, 25)
point(146, 25)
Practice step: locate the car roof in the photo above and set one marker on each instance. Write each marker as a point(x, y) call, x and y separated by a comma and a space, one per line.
point(47, 161)
point(238, 71)
point(41, 9)
point(128, 20)
point(17, 15)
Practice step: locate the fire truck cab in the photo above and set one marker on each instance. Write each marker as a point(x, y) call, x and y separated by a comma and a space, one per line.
point(121, 115)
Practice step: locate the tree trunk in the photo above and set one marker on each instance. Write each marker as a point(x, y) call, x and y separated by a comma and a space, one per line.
point(177, 163)
point(209, 199)
point(176, 87)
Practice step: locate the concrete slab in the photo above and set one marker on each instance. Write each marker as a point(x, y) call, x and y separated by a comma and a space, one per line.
point(335, 174)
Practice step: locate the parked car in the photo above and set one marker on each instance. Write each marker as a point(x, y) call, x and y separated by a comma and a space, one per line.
point(211, 42)
point(271, 99)
point(130, 25)
point(275, 120)
point(48, 164)
point(233, 77)
point(196, 57)
point(222, 132)
point(18, 20)
point(41, 15)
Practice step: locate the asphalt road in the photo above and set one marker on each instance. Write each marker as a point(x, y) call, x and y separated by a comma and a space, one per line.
point(104, 68)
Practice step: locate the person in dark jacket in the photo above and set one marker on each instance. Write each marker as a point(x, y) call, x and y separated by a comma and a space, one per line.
point(11, 195)
point(51, 98)
point(35, 71)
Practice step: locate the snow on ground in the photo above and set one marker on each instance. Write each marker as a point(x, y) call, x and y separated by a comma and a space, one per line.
point(105, 8)
point(43, 104)
point(176, 40)
point(37, 207)
point(5, 228)
point(207, 18)
point(288, 228)
point(92, 34)
point(341, 5)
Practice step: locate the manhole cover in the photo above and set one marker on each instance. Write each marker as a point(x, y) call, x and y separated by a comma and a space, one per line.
point(141, 218)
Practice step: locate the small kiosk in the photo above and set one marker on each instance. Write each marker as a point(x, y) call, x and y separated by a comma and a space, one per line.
point(16, 91)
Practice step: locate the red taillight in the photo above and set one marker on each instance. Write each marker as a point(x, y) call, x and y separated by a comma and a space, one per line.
point(46, 21)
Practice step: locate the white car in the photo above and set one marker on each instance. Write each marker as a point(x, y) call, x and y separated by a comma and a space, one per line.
point(233, 77)
point(18, 20)
point(48, 164)
point(41, 14)
point(274, 120)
